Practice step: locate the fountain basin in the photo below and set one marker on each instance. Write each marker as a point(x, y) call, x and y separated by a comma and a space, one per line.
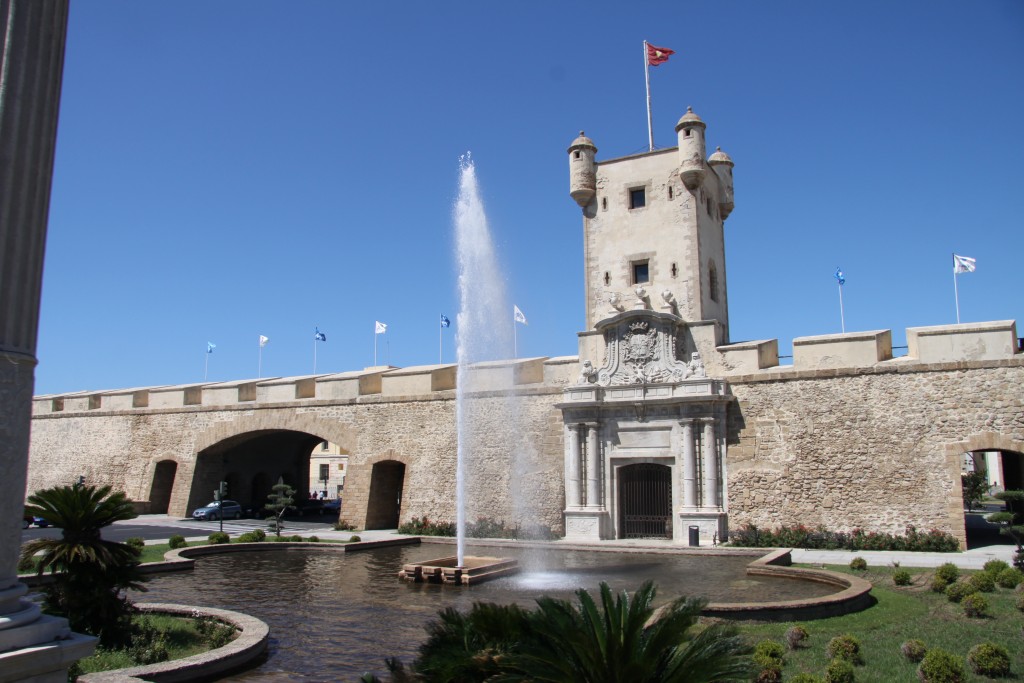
point(473, 570)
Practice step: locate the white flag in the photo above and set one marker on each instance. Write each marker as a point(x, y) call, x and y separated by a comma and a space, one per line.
point(381, 328)
point(963, 264)
point(263, 340)
point(517, 315)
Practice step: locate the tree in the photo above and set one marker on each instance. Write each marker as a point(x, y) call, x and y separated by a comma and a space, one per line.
point(975, 486)
point(1012, 521)
point(90, 573)
point(281, 500)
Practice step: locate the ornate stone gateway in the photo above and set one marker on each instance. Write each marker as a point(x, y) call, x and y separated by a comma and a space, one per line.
point(645, 437)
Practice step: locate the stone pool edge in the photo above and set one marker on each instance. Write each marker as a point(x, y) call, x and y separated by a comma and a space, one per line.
point(240, 653)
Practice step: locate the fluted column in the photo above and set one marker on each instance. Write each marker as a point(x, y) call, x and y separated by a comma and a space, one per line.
point(709, 448)
point(572, 468)
point(32, 33)
point(593, 466)
point(689, 466)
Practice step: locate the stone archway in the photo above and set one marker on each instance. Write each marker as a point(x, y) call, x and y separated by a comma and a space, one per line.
point(985, 449)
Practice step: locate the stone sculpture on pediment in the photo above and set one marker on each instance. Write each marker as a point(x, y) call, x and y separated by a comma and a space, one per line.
point(640, 348)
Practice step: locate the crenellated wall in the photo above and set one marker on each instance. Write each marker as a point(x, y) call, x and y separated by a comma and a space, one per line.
point(846, 437)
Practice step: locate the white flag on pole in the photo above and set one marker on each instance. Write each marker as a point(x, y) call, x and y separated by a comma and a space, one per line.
point(263, 340)
point(963, 264)
point(517, 315)
point(380, 328)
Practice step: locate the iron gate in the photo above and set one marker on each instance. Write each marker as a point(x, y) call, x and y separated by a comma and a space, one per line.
point(645, 501)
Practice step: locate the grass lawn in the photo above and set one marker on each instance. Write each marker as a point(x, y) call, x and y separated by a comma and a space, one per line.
point(901, 614)
point(182, 637)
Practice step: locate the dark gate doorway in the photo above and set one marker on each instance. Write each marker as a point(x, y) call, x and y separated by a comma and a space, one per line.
point(645, 501)
point(384, 507)
point(163, 484)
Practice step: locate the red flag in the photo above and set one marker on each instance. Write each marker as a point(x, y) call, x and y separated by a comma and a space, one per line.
point(658, 55)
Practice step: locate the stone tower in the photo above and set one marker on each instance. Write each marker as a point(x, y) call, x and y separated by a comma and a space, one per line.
point(653, 228)
point(645, 424)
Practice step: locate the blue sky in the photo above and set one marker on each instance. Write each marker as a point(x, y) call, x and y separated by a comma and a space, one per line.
point(231, 169)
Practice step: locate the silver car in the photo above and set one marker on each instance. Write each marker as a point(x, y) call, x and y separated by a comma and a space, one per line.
point(212, 511)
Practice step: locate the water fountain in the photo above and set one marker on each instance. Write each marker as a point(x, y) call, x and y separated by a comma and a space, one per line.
point(481, 336)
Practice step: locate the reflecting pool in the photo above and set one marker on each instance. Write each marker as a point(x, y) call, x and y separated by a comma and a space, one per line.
point(336, 615)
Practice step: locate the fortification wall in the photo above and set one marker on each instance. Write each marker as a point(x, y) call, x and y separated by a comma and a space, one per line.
point(877, 447)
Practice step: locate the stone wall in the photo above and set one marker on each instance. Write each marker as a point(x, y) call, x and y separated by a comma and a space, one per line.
point(877, 448)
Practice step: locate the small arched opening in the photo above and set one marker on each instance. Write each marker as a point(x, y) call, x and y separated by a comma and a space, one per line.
point(992, 471)
point(384, 507)
point(162, 486)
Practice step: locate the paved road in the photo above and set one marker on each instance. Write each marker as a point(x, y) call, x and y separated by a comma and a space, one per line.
point(153, 527)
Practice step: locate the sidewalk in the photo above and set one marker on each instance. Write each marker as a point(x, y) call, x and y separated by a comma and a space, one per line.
point(970, 559)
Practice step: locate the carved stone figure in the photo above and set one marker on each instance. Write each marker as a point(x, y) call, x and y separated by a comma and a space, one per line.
point(696, 366)
point(641, 298)
point(588, 374)
point(669, 299)
point(615, 301)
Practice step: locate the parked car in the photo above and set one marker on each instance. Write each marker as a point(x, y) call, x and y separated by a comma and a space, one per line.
point(313, 506)
point(228, 508)
point(332, 506)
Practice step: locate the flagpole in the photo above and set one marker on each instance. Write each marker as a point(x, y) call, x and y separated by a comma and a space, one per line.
point(315, 340)
point(647, 82)
point(375, 346)
point(956, 292)
point(440, 343)
point(842, 314)
point(206, 369)
point(515, 338)
point(259, 369)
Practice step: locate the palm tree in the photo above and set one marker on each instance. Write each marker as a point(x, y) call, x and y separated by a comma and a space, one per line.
point(90, 573)
point(461, 648)
point(621, 642)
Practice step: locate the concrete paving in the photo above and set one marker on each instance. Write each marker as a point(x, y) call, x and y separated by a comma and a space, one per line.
point(970, 559)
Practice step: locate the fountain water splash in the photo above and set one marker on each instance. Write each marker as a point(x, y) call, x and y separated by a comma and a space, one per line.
point(483, 332)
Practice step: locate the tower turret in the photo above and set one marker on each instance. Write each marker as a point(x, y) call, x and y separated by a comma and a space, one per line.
point(722, 165)
point(582, 170)
point(690, 131)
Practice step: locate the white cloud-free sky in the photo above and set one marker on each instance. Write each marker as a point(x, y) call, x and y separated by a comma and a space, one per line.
point(242, 168)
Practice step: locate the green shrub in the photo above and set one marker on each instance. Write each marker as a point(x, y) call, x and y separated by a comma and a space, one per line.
point(983, 581)
point(354, 539)
point(989, 659)
point(424, 527)
point(821, 539)
point(858, 564)
point(770, 649)
point(215, 633)
point(254, 536)
point(1020, 602)
point(993, 567)
point(914, 650)
point(344, 525)
point(939, 666)
point(939, 584)
point(135, 543)
point(1011, 577)
point(975, 605)
point(177, 541)
point(796, 636)
point(295, 538)
point(313, 539)
point(768, 670)
point(839, 671)
point(218, 537)
point(844, 647)
point(959, 590)
point(901, 577)
point(804, 678)
point(948, 571)
point(281, 539)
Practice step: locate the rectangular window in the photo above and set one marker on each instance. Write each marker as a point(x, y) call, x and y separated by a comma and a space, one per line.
point(637, 198)
point(323, 446)
point(641, 272)
point(325, 472)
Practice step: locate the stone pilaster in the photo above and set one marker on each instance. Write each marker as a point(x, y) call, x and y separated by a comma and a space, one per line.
point(593, 467)
point(709, 448)
point(32, 646)
point(689, 456)
point(572, 468)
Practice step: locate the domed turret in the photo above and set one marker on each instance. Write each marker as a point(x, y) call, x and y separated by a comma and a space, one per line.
point(582, 170)
point(722, 165)
point(690, 131)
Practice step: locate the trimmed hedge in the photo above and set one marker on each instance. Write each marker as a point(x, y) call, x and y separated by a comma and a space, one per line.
point(801, 536)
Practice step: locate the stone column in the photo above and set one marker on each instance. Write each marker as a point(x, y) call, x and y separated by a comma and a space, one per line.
point(689, 466)
point(572, 468)
point(593, 467)
point(710, 461)
point(31, 65)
